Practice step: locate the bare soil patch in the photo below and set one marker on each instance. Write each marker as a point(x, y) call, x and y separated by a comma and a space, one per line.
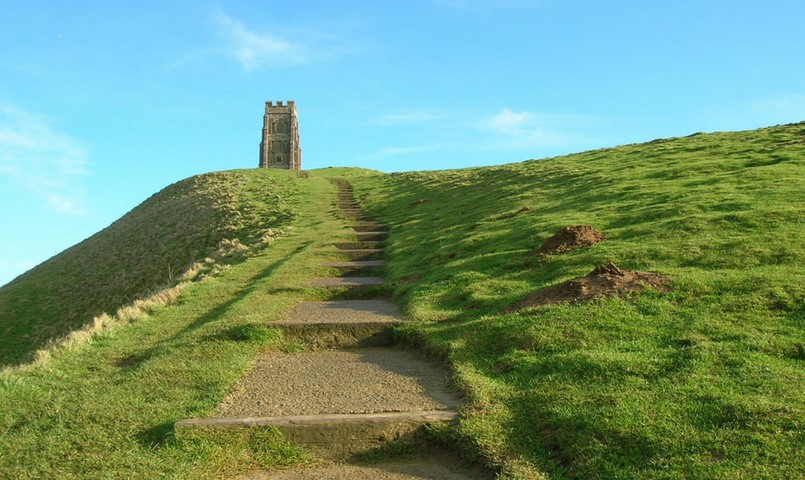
point(604, 281)
point(570, 238)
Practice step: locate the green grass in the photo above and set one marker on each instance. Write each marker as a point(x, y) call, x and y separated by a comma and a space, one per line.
point(702, 382)
point(106, 408)
point(146, 250)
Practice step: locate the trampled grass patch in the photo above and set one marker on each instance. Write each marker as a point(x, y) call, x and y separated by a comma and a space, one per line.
point(699, 382)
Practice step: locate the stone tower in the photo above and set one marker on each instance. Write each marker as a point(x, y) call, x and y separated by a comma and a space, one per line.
point(279, 147)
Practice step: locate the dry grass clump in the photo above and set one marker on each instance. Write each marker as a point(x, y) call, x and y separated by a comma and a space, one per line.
point(104, 323)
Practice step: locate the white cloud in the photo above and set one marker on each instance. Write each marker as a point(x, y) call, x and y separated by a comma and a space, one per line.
point(257, 49)
point(510, 129)
point(39, 159)
point(518, 133)
point(506, 121)
point(281, 47)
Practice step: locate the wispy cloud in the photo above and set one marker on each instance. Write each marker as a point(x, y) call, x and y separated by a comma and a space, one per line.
point(513, 133)
point(525, 129)
point(42, 160)
point(255, 49)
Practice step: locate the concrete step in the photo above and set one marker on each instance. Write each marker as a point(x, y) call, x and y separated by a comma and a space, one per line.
point(352, 216)
point(334, 282)
point(367, 226)
point(370, 235)
point(376, 236)
point(358, 245)
point(355, 264)
point(348, 323)
point(338, 402)
point(334, 436)
point(361, 253)
point(430, 467)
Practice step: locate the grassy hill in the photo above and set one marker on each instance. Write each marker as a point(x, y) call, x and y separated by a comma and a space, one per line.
point(149, 248)
point(701, 381)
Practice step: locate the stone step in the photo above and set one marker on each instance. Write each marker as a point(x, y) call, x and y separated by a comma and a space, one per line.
point(334, 282)
point(345, 311)
point(334, 436)
point(366, 236)
point(361, 253)
point(430, 467)
point(347, 323)
point(354, 216)
point(358, 245)
point(355, 264)
point(339, 402)
point(367, 227)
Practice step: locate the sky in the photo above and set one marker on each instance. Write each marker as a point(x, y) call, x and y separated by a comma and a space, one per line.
point(104, 103)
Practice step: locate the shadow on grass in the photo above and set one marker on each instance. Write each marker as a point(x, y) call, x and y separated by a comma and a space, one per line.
point(216, 313)
point(156, 436)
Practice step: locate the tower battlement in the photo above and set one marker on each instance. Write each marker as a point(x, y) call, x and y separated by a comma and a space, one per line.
point(279, 146)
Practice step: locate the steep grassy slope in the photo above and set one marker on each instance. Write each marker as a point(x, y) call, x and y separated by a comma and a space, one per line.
point(701, 382)
point(147, 249)
point(106, 408)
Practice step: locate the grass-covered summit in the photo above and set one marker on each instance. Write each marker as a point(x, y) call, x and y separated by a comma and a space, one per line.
point(697, 380)
point(149, 248)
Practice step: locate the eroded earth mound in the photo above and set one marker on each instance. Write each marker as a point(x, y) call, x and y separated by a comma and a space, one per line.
point(570, 238)
point(605, 281)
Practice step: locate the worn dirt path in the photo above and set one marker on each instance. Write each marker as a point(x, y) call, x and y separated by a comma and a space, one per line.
point(326, 398)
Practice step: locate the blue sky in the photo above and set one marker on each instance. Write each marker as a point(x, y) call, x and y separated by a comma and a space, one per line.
point(103, 103)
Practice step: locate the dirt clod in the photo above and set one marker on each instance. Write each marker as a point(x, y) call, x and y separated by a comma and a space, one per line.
point(570, 238)
point(604, 281)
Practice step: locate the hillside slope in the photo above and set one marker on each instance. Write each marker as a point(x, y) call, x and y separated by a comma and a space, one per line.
point(148, 248)
point(699, 382)
point(105, 408)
